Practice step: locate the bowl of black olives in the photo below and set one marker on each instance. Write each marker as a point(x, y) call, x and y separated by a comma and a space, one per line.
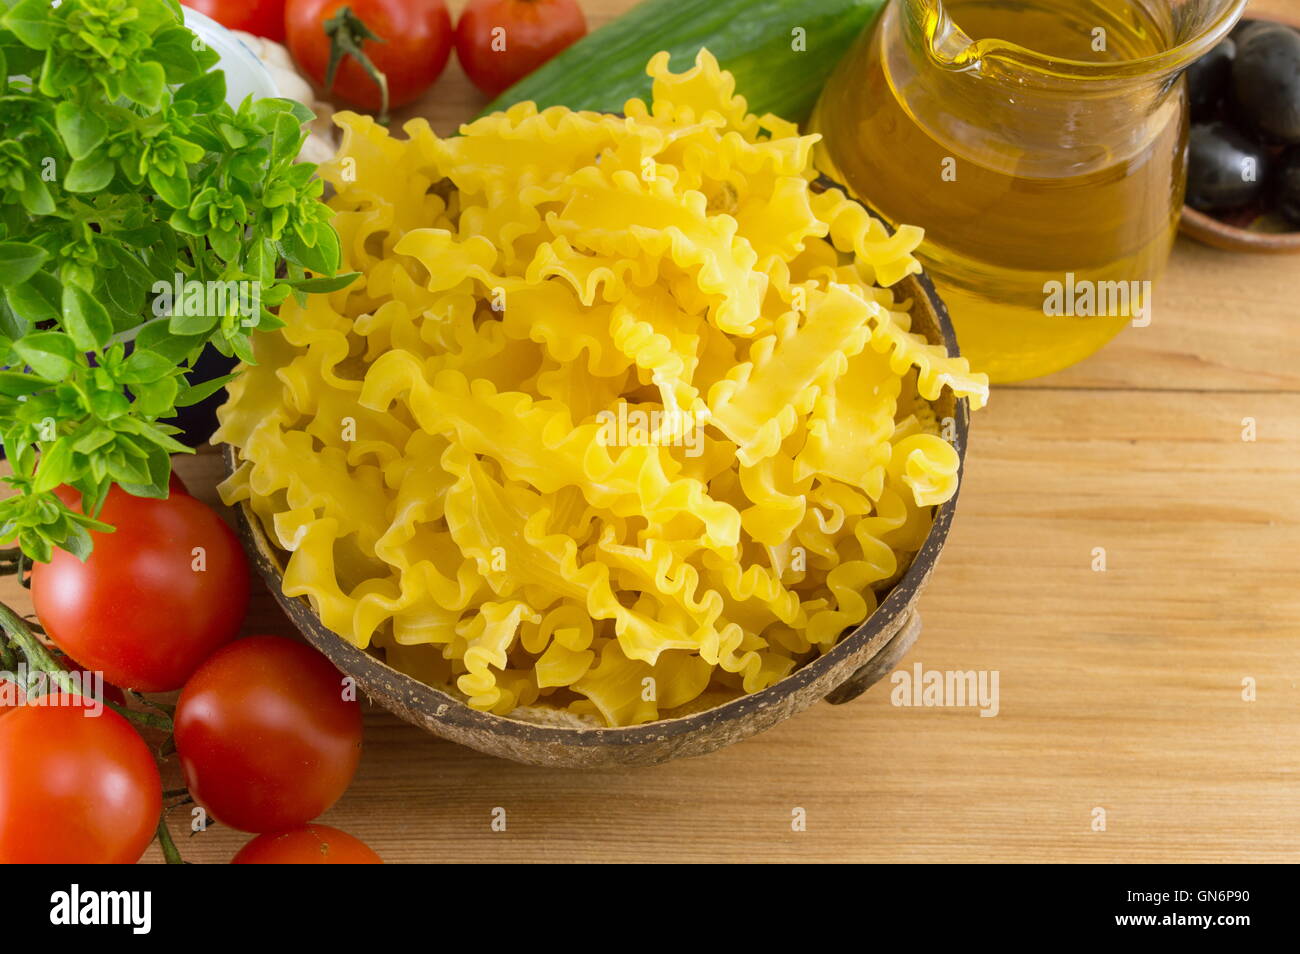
point(1243, 154)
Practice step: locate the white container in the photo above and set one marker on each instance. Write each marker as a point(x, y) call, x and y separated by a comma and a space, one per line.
point(245, 73)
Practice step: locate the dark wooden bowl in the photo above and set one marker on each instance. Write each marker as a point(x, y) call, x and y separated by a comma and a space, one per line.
point(1212, 231)
point(862, 656)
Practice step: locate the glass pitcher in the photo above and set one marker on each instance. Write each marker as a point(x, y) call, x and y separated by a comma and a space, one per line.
point(1041, 145)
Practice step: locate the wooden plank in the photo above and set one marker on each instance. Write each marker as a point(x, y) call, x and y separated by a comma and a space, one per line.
point(1222, 321)
point(1118, 689)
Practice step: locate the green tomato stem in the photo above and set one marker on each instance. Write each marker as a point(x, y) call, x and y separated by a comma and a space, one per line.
point(33, 650)
point(169, 850)
point(348, 35)
point(39, 659)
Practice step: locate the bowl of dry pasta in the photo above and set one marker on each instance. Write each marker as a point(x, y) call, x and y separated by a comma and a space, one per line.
point(635, 436)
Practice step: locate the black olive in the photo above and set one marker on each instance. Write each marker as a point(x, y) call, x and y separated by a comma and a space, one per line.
point(1288, 186)
point(1207, 80)
point(1266, 83)
point(1225, 169)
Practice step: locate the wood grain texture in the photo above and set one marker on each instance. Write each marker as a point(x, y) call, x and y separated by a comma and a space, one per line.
point(1119, 689)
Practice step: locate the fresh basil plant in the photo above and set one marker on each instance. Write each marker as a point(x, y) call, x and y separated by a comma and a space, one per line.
point(141, 219)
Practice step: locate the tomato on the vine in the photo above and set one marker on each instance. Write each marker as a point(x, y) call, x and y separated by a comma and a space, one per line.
point(259, 17)
point(75, 788)
point(155, 597)
point(409, 43)
point(267, 736)
point(499, 42)
point(308, 845)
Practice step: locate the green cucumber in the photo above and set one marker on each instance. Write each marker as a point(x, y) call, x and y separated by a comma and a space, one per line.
point(757, 40)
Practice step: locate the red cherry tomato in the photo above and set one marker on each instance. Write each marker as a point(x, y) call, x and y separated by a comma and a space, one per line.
point(499, 42)
point(309, 845)
point(266, 739)
point(75, 788)
point(259, 17)
point(176, 486)
point(417, 40)
point(155, 597)
point(11, 696)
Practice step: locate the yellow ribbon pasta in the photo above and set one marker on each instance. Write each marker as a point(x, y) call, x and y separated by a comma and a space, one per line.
point(620, 419)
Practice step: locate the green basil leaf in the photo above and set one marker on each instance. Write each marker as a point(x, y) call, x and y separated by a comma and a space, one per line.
point(81, 127)
point(145, 367)
point(233, 137)
point(32, 21)
point(201, 392)
point(242, 349)
point(156, 398)
point(85, 319)
point(226, 243)
point(143, 82)
point(128, 465)
point(93, 439)
point(91, 174)
point(155, 15)
point(264, 111)
point(115, 293)
point(184, 324)
point(157, 468)
point(323, 257)
point(260, 261)
point(51, 354)
point(173, 49)
point(174, 190)
point(183, 222)
point(36, 197)
point(19, 261)
point(77, 542)
point(142, 237)
point(19, 60)
point(317, 286)
point(109, 405)
point(286, 139)
point(157, 336)
point(12, 325)
point(16, 384)
point(36, 546)
point(131, 280)
point(93, 497)
point(154, 434)
point(55, 467)
point(36, 300)
point(206, 92)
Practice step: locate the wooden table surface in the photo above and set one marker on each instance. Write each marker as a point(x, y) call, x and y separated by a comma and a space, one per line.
point(1120, 690)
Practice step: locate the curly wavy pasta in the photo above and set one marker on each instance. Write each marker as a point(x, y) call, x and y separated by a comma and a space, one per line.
point(621, 417)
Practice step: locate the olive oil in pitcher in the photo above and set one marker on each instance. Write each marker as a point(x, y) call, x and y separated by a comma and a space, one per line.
point(1040, 144)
